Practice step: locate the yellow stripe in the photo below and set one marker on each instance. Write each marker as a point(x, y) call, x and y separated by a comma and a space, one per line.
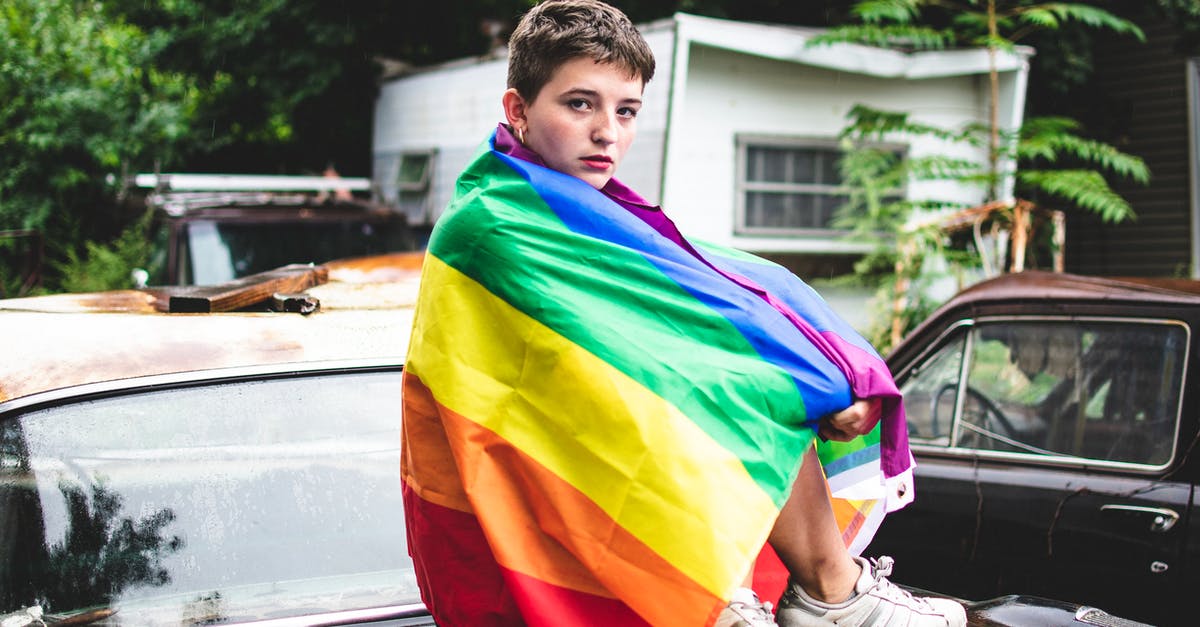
point(637, 457)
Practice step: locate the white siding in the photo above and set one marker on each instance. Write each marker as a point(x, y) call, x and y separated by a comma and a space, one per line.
point(715, 79)
point(451, 109)
point(730, 93)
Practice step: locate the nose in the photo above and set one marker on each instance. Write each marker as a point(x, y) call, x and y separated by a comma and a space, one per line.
point(605, 129)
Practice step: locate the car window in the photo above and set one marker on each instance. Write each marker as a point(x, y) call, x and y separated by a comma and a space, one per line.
point(218, 251)
point(1095, 389)
point(930, 393)
point(209, 503)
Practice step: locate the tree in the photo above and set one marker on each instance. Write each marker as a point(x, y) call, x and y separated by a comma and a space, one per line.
point(78, 99)
point(1054, 161)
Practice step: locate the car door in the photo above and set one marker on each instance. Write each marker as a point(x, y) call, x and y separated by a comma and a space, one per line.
point(1043, 446)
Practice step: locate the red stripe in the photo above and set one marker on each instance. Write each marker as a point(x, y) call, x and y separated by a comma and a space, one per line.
point(547, 605)
point(455, 556)
point(770, 576)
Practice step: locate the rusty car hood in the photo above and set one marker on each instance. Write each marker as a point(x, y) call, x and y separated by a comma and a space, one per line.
point(62, 340)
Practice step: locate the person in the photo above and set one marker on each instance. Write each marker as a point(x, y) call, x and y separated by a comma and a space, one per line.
point(605, 423)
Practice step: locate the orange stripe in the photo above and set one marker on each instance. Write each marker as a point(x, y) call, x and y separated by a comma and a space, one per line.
point(426, 464)
point(560, 537)
point(849, 518)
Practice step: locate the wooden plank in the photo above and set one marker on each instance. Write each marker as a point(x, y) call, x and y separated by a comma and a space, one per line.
point(246, 291)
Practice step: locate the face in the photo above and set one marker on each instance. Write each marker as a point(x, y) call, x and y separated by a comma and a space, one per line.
point(583, 120)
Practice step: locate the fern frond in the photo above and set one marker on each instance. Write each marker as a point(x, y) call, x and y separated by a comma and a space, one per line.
point(1051, 138)
point(941, 167)
point(901, 36)
point(867, 123)
point(880, 11)
point(1040, 17)
point(1089, 15)
point(1084, 188)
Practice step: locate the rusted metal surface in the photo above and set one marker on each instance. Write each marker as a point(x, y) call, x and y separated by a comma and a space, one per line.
point(395, 266)
point(117, 301)
point(1033, 290)
point(1037, 284)
point(62, 340)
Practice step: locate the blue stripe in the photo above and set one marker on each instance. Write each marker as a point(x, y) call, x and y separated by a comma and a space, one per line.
point(852, 460)
point(800, 296)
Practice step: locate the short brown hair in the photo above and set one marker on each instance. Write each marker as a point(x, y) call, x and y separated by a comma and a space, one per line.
point(557, 31)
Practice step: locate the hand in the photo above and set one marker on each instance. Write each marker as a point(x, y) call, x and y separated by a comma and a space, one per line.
point(857, 419)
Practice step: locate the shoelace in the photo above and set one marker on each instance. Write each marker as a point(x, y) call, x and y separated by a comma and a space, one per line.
point(881, 568)
point(754, 612)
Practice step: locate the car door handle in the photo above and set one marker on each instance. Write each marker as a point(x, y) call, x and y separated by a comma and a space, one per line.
point(1163, 518)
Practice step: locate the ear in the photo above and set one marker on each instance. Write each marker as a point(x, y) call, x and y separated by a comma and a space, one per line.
point(514, 108)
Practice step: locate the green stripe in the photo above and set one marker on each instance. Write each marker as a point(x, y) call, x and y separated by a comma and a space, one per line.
point(628, 313)
point(830, 450)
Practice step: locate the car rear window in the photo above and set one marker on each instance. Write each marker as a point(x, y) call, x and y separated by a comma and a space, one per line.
point(208, 503)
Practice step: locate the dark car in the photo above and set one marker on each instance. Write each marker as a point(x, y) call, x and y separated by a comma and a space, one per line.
point(228, 454)
point(212, 228)
point(1053, 418)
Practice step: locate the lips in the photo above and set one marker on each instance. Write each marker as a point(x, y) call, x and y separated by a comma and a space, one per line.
point(598, 162)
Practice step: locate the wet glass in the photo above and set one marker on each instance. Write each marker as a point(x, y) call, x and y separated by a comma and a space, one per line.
point(213, 503)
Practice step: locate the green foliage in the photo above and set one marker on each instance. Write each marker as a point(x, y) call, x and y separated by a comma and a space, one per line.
point(900, 36)
point(1084, 188)
point(1053, 162)
point(79, 100)
point(289, 86)
point(107, 266)
point(881, 11)
point(1046, 139)
point(1047, 152)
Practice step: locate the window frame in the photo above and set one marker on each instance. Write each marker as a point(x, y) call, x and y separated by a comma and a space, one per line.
point(968, 326)
point(391, 189)
point(745, 141)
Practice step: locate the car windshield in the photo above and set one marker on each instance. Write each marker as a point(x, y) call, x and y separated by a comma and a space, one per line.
point(222, 251)
point(212, 503)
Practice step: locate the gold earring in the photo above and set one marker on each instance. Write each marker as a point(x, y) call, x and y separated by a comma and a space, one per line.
point(521, 135)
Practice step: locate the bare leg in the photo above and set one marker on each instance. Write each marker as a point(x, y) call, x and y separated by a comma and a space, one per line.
point(807, 539)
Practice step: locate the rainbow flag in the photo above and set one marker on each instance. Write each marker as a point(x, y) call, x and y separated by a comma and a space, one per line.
point(600, 427)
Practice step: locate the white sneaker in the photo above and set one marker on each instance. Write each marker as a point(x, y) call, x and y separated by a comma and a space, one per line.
point(745, 610)
point(876, 602)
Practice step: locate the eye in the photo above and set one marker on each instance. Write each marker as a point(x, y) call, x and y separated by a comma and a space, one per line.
point(627, 112)
point(578, 104)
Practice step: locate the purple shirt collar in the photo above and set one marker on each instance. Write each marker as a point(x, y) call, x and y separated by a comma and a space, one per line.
point(507, 144)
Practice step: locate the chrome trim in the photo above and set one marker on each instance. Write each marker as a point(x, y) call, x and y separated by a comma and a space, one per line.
point(1164, 517)
point(1059, 460)
point(216, 375)
point(960, 400)
point(933, 346)
point(349, 617)
point(1095, 616)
